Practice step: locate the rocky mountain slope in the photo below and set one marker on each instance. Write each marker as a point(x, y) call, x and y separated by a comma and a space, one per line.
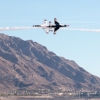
point(27, 64)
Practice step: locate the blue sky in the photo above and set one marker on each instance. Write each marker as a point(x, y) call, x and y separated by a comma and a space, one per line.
point(82, 47)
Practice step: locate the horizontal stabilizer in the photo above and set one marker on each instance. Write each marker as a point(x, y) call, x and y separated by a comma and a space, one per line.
point(46, 30)
point(45, 22)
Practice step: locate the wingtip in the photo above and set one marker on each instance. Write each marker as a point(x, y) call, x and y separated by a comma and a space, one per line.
point(54, 33)
point(55, 19)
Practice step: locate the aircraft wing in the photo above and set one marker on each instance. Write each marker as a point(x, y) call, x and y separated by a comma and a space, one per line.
point(56, 22)
point(46, 30)
point(55, 30)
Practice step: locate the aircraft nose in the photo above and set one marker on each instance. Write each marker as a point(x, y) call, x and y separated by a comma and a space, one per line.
point(66, 25)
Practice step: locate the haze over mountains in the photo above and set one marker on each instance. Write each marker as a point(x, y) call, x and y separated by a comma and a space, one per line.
point(29, 65)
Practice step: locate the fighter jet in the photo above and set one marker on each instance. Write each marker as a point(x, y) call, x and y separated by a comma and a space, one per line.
point(47, 28)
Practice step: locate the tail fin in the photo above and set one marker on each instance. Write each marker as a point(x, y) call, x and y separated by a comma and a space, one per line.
point(45, 22)
point(55, 21)
point(50, 24)
point(46, 30)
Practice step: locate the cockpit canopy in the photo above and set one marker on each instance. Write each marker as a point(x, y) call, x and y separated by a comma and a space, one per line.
point(65, 25)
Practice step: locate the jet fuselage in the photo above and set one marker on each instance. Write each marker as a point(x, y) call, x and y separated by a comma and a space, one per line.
point(50, 26)
point(47, 28)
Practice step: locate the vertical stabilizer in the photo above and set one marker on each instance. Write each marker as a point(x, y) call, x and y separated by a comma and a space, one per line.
point(50, 24)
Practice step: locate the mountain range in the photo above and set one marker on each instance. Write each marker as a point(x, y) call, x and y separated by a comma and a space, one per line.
point(29, 65)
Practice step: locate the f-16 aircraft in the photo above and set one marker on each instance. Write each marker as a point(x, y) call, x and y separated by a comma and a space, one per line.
point(47, 28)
